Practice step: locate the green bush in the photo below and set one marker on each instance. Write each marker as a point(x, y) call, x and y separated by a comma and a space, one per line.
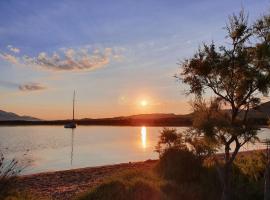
point(189, 191)
point(183, 177)
point(109, 190)
point(16, 195)
point(180, 165)
point(143, 190)
point(248, 176)
point(129, 185)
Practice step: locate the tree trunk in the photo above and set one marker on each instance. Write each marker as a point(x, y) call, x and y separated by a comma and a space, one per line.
point(227, 173)
point(267, 182)
point(226, 190)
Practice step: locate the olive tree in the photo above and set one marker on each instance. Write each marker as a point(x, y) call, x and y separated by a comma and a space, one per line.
point(236, 75)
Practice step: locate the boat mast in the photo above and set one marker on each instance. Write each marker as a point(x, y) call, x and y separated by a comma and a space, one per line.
point(73, 104)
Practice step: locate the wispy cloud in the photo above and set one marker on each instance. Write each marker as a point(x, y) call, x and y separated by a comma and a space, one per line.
point(9, 58)
point(67, 59)
point(31, 87)
point(13, 49)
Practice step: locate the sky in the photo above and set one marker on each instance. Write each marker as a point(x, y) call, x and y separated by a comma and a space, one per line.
point(120, 56)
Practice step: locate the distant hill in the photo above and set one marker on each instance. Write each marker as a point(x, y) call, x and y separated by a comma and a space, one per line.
point(156, 119)
point(264, 109)
point(259, 115)
point(9, 116)
point(152, 116)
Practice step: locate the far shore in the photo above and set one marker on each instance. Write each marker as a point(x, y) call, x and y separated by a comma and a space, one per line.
point(163, 122)
point(68, 184)
point(182, 121)
point(157, 119)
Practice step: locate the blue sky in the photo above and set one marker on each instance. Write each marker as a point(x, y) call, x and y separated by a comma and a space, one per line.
point(114, 53)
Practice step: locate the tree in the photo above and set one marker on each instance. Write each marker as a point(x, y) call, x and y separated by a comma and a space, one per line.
point(169, 138)
point(181, 158)
point(237, 75)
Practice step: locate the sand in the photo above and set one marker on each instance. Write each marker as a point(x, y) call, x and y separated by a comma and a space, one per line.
point(69, 183)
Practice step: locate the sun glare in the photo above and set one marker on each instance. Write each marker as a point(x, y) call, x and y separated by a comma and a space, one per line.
point(144, 103)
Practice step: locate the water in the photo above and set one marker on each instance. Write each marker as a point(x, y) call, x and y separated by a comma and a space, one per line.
point(52, 148)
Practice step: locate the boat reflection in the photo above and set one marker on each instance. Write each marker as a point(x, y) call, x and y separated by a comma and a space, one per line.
point(144, 137)
point(72, 144)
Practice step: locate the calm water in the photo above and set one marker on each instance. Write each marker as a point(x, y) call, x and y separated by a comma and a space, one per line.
point(52, 148)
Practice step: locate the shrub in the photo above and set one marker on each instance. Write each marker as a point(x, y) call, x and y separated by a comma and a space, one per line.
point(114, 189)
point(143, 190)
point(175, 191)
point(248, 173)
point(15, 195)
point(169, 138)
point(179, 165)
point(9, 170)
point(129, 185)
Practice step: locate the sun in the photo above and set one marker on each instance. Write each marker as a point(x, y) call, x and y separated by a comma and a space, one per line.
point(144, 103)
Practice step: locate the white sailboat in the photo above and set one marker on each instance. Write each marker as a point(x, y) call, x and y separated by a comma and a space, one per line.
point(72, 124)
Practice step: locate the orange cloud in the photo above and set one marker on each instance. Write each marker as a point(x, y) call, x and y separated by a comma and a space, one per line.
point(31, 87)
point(9, 58)
point(69, 60)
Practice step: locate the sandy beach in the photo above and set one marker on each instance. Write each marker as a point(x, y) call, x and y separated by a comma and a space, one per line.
point(69, 183)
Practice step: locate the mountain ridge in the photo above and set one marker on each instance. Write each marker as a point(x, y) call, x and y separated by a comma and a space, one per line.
point(260, 113)
point(10, 116)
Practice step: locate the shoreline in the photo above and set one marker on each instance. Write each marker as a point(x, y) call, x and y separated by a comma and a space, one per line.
point(67, 184)
point(140, 120)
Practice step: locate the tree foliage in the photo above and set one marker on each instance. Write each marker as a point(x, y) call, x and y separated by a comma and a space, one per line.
point(237, 74)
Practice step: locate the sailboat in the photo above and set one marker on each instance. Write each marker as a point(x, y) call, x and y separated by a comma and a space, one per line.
point(72, 124)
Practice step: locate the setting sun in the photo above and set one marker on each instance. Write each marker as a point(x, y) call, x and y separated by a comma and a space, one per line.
point(144, 103)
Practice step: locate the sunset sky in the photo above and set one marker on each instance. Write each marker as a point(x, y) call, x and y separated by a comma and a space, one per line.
point(120, 56)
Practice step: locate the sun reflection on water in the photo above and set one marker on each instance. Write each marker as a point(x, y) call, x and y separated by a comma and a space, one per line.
point(143, 136)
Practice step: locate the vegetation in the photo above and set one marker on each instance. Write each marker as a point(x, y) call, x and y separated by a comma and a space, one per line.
point(137, 185)
point(190, 169)
point(183, 173)
point(9, 170)
point(186, 164)
point(237, 74)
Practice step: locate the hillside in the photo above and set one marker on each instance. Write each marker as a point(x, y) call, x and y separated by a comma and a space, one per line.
point(264, 109)
point(9, 116)
point(259, 114)
point(134, 120)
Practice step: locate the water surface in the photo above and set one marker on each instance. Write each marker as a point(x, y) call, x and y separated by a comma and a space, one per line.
point(52, 148)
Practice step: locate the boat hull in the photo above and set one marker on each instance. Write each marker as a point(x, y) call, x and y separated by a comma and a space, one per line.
point(70, 125)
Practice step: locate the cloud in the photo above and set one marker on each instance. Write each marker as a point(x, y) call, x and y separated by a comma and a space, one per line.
point(80, 59)
point(31, 87)
point(22, 87)
point(9, 58)
point(73, 60)
point(13, 49)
